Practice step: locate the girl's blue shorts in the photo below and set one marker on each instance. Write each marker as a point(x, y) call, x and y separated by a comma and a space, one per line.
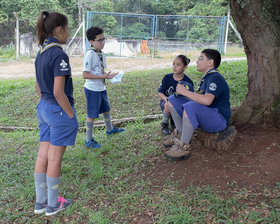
point(97, 103)
point(55, 125)
point(161, 104)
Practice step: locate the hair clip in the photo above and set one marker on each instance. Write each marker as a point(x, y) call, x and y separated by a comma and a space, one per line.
point(46, 13)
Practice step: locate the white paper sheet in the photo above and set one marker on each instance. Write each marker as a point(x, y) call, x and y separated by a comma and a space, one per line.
point(117, 78)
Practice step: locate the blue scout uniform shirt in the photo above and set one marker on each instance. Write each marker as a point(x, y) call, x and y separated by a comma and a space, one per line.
point(213, 82)
point(52, 61)
point(168, 84)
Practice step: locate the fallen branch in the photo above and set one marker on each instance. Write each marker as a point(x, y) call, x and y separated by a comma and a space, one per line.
point(99, 124)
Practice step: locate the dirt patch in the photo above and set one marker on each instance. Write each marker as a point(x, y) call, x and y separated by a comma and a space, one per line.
point(25, 69)
point(247, 173)
point(253, 163)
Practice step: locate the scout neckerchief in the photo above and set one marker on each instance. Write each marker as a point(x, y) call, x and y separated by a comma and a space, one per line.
point(48, 44)
point(99, 53)
point(202, 80)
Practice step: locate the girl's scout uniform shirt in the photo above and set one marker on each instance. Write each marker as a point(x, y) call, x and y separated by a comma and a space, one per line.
point(213, 82)
point(168, 84)
point(94, 65)
point(52, 61)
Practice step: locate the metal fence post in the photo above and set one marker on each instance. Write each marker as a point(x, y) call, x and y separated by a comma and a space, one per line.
point(155, 35)
point(17, 36)
point(220, 34)
point(223, 34)
point(226, 37)
point(84, 31)
point(187, 38)
point(88, 19)
point(121, 35)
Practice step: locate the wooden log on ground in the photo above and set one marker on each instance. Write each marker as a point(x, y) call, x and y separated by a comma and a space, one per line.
point(220, 142)
point(98, 124)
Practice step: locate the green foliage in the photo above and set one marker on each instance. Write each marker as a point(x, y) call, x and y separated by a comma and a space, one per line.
point(209, 8)
point(132, 6)
point(28, 8)
point(101, 6)
point(136, 30)
point(161, 34)
point(28, 11)
point(108, 22)
point(3, 16)
point(164, 7)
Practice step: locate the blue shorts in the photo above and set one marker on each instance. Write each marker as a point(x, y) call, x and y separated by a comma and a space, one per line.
point(161, 104)
point(55, 125)
point(201, 116)
point(177, 102)
point(206, 118)
point(97, 103)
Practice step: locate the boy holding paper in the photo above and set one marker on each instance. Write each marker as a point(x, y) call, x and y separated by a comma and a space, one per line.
point(95, 89)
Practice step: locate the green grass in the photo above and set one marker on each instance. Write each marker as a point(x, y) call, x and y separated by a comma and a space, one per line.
point(235, 52)
point(111, 185)
point(8, 54)
point(135, 96)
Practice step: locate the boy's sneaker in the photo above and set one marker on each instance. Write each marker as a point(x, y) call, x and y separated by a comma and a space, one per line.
point(61, 204)
point(40, 207)
point(114, 131)
point(165, 129)
point(92, 144)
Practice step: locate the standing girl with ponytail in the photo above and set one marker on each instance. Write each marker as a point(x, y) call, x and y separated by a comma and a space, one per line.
point(56, 113)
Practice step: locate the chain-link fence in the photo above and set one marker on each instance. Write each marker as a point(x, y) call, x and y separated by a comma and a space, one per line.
point(24, 30)
point(129, 35)
point(8, 32)
point(126, 33)
point(152, 35)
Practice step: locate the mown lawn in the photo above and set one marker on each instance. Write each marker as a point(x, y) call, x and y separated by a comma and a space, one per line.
point(135, 96)
point(112, 185)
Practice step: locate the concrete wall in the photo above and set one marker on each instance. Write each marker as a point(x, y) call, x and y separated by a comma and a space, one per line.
point(29, 45)
point(128, 48)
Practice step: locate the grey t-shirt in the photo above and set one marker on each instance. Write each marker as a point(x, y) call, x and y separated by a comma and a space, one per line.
point(92, 64)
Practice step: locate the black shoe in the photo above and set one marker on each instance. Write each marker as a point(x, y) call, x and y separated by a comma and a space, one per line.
point(164, 129)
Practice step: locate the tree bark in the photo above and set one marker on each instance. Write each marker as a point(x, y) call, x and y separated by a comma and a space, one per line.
point(259, 25)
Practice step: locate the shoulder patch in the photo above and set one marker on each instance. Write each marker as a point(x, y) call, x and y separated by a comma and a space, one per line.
point(213, 86)
point(63, 65)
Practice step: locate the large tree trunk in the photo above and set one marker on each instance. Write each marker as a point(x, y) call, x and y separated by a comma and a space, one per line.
point(259, 25)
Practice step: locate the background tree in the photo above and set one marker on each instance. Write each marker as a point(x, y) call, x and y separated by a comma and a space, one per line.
point(259, 25)
point(28, 11)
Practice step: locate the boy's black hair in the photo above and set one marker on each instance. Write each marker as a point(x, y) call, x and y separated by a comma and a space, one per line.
point(214, 55)
point(92, 32)
point(184, 59)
